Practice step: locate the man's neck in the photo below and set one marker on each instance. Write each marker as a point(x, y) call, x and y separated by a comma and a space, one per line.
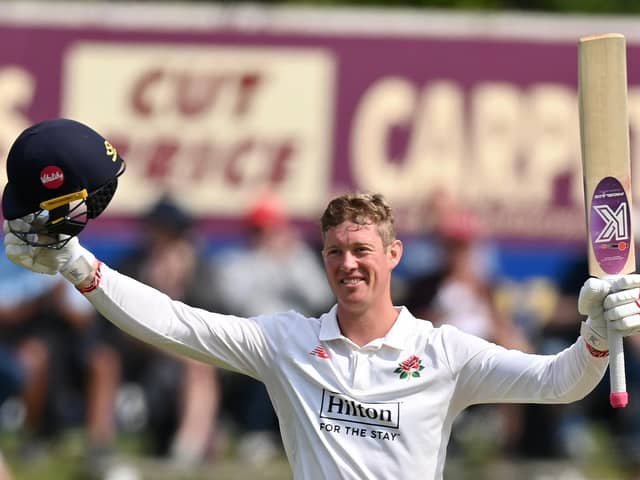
point(364, 327)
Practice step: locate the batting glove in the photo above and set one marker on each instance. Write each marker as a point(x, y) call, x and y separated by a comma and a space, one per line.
point(622, 305)
point(591, 304)
point(73, 261)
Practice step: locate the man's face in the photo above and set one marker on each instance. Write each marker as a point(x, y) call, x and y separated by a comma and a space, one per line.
point(358, 266)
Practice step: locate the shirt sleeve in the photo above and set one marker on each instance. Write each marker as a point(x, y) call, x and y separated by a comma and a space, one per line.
point(488, 373)
point(227, 341)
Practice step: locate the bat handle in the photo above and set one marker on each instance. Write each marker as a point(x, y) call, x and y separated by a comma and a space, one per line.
point(619, 398)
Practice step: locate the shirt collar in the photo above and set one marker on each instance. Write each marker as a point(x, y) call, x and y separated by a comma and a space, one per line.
point(330, 330)
point(395, 338)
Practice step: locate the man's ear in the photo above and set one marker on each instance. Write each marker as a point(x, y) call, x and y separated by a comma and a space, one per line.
point(394, 253)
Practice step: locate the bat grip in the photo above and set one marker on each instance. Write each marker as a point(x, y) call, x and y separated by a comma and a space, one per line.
point(618, 397)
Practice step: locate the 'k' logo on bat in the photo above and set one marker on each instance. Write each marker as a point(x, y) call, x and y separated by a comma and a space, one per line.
point(615, 227)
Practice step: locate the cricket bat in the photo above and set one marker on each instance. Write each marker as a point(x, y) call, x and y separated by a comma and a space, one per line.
point(606, 168)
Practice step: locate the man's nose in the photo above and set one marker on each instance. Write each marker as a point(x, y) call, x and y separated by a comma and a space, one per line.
point(348, 261)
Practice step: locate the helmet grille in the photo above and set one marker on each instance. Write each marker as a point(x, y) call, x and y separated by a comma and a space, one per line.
point(100, 198)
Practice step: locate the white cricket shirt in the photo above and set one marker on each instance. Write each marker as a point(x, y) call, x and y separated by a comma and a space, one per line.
point(382, 411)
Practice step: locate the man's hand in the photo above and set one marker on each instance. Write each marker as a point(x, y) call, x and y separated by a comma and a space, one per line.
point(73, 261)
point(622, 305)
point(591, 304)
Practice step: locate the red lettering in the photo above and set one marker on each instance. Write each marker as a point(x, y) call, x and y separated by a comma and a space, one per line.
point(187, 93)
point(140, 93)
point(161, 159)
point(282, 154)
point(195, 95)
point(234, 171)
point(204, 156)
point(245, 163)
point(249, 83)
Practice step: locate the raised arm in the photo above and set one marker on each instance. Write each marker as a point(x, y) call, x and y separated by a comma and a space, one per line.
point(143, 312)
point(495, 375)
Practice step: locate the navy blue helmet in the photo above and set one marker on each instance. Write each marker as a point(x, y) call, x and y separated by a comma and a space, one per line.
point(65, 173)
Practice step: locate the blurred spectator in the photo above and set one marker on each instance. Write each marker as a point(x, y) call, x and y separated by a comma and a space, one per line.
point(61, 367)
point(12, 379)
point(568, 430)
point(460, 292)
point(84, 363)
point(5, 473)
point(284, 274)
point(444, 218)
point(26, 360)
point(182, 394)
point(12, 374)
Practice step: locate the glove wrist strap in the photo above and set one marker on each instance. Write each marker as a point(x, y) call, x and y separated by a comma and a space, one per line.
point(79, 269)
point(596, 343)
point(95, 281)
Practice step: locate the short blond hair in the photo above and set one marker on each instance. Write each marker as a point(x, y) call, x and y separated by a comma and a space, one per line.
point(361, 209)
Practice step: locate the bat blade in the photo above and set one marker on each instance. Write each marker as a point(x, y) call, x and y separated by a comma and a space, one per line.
point(606, 166)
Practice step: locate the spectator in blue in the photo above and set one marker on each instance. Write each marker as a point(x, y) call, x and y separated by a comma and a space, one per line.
point(25, 354)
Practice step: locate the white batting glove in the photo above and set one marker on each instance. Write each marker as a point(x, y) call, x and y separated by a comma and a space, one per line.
point(622, 305)
point(591, 303)
point(73, 261)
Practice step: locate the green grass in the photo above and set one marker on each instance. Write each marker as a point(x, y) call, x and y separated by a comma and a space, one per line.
point(64, 460)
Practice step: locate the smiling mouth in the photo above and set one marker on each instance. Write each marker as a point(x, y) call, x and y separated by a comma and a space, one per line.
point(351, 281)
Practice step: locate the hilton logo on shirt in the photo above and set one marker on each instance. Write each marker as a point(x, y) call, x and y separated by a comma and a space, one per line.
point(336, 406)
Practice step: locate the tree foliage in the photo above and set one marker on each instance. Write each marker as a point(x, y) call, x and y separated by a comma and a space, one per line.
point(557, 6)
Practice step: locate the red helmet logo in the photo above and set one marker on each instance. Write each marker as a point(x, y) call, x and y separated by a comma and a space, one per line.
point(52, 177)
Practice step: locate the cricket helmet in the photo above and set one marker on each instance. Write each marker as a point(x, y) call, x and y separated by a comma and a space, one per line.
point(63, 172)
